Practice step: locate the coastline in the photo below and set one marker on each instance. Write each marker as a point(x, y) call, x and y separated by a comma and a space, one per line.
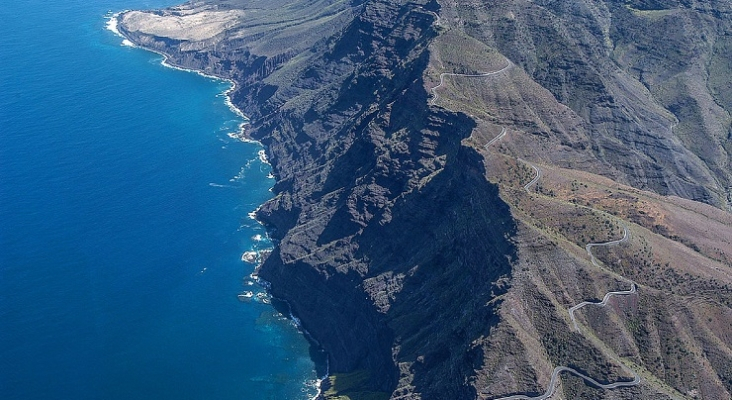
point(113, 26)
point(357, 168)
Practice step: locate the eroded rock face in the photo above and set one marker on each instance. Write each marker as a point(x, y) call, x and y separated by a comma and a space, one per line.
point(371, 184)
point(391, 245)
point(396, 227)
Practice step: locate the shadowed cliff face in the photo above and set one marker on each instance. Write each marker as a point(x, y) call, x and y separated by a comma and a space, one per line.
point(391, 243)
point(401, 274)
point(391, 239)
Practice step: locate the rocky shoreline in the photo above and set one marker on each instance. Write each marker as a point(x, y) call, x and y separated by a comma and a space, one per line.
point(257, 257)
point(355, 169)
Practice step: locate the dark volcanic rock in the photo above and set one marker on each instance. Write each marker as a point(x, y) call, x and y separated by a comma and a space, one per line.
point(391, 239)
point(391, 243)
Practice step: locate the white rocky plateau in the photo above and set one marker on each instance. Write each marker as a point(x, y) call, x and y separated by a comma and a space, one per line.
point(188, 24)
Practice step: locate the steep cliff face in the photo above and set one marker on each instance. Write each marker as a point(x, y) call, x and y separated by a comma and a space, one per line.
point(390, 241)
point(418, 276)
point(392, 245)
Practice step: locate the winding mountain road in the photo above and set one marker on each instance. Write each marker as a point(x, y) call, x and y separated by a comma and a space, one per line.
point(528, 186)
point(436, 96)
point(608, 295)
point(497, 138)
point(437, 17)
point(557, 370)
point(589, 246)
point(555, 376)
point(603, 303)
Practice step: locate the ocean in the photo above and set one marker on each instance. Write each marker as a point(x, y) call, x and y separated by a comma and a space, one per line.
point(124, 213)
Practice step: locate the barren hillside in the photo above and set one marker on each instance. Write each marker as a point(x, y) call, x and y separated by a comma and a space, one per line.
point(489, 200)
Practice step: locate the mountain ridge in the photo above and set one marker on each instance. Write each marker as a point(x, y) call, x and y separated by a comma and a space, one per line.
point(407, 239)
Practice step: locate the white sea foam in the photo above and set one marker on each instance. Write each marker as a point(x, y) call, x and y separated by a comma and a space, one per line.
point(241, 135)
point(263, 283)
point(218, 185)
point(245, 295)
point(263, 156)
point(263, 297)
point(250, 257)
point(296, 321)
point(319, 381)
point(316, 384)
point(242, 173)
point(113, 23)
point(230, 104)
point(113, 26)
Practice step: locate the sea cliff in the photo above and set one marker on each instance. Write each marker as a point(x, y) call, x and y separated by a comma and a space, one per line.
point(416, 243)
point(390, 242)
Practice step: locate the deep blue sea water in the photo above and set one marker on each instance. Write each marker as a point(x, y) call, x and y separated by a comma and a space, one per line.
point(123, 216)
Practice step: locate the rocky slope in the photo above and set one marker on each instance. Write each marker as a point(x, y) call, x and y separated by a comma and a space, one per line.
point(405, 239)
point(645, 83)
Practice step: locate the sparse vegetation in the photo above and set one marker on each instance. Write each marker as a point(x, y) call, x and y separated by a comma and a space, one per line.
point(349, 386)
point(576, 208)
